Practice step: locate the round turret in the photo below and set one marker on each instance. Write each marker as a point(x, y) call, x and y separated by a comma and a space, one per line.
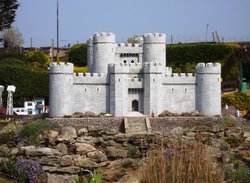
point(154, 48)
point(208, 89)
point(61, 77)
point(90, 54)
point(103, 51)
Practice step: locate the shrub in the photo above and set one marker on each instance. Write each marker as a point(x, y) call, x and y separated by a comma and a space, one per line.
point(94, 177)
point(37, 56)
point(132, 150)
point(185, 162)
point(239, 100)
point(31, 131)
point(80, 69)
point(78, 55)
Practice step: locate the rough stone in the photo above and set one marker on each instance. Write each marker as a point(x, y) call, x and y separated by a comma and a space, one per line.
point(116, 153)
point(97, 156)
point(50, 160)
point(4, 150)
point(77, 115)
point(49, 168)
point(85, 163)
point(126, 162)
point(82, 132)
point(66, 160)
point(177, 132)
point(68, 131)
point(62, 148)
point(42, 151)
point(83, 148)
point(89, 114)
point(85, 139)
point(69, 169)
point(58, 178)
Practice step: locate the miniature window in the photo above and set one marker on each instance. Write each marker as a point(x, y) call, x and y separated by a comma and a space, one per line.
point(97, 89)
point(185, 89)
point(125, 61)
point(119, 79)
point(22, 110)
point(85, 89)
point(154, 80)
point(17, 110)
point(29, 104)
point(172, 89)
point(132, 61)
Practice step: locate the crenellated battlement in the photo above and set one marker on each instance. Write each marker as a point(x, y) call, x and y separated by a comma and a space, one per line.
point(104, 37)
point(179, 78)
point(154, 38)
point(208, 68)
point(94, 78)
point(129, 45)
point(135, 83)
point(125, 68)
point(67, 68)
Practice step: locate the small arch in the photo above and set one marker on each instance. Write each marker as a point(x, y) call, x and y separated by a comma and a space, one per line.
point(135, 105)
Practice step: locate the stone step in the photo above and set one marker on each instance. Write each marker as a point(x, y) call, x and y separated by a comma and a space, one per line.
point(136, 125)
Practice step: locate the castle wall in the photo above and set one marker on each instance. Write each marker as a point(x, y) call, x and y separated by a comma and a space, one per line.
point(91, 93)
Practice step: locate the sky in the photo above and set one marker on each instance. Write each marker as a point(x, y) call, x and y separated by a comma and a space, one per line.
point(185, 20)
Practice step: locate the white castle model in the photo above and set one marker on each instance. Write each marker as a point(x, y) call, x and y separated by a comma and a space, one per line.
point(124, 78)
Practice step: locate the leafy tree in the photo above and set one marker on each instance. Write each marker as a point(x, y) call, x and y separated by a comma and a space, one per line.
point(78, 55)
point(135, 39)
point(7, 13)
point(11, 38)
point(37, 56)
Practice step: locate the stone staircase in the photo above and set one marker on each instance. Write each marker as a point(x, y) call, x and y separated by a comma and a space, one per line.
point(137, 125)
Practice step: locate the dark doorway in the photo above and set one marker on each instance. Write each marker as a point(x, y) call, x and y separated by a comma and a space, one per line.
point(135, 105)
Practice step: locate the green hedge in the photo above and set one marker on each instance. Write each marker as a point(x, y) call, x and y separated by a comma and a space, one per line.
point(29, 82)
point(184, 57)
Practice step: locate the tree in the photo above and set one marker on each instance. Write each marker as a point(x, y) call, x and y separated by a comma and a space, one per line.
point(7, 13)
point(135, 39)
point(37, 56)
point(11, 38)
point(78, 55)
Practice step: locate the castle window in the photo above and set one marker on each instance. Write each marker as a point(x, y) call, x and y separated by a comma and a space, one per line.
point(172, 89)
point(97, 89)
point(119, 79)
point(132, 61)
point(125, 61)
point(185, 90)
point(85, 89)
point(154, 80)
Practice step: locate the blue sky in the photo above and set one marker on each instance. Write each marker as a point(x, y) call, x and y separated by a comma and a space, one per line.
point(186, 20)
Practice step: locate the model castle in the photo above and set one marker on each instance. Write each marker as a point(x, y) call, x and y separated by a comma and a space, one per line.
point(126, 79)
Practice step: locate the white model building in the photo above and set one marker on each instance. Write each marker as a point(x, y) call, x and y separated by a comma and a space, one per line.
point(124, 78)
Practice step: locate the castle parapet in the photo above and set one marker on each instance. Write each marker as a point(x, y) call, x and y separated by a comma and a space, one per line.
point(153, 67)
point(179, 79)
point(208, 68)
point(64, 68)
point(150, 38)
point(104, 37)
point(91, 78)
point(128, 48)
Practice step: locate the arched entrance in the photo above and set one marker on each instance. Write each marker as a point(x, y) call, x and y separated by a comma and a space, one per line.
point(135, 105)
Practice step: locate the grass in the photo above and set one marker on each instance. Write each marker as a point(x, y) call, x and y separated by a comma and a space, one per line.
point(184, 162)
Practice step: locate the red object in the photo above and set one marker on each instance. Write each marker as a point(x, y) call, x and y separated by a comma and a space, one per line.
point(2, 110)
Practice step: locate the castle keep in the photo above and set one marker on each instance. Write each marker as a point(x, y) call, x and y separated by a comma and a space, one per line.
point(125, 78)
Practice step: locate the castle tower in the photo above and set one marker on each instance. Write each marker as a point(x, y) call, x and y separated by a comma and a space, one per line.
point(90, 54)
point(154, 48)
point(61, 78)
point(118, 89)
point(103, 51)
point(208, 88)
point(152, 87)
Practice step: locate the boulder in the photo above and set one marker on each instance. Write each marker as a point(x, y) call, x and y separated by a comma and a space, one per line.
point(42, 151)
point(50, 160)
point(85, 162)
point(166, 113)
point(89, 114)
point(69, 169)
point(58, 178)
point(177, 132)
point(77, 115)
point(97, 156)
point(82, 132)
point(83, 148)
point(49, 168)
point(66, 160)
point(85, 139)
point(126, 162)
point(115, 153)
point(62, 148)
point(68, 131)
